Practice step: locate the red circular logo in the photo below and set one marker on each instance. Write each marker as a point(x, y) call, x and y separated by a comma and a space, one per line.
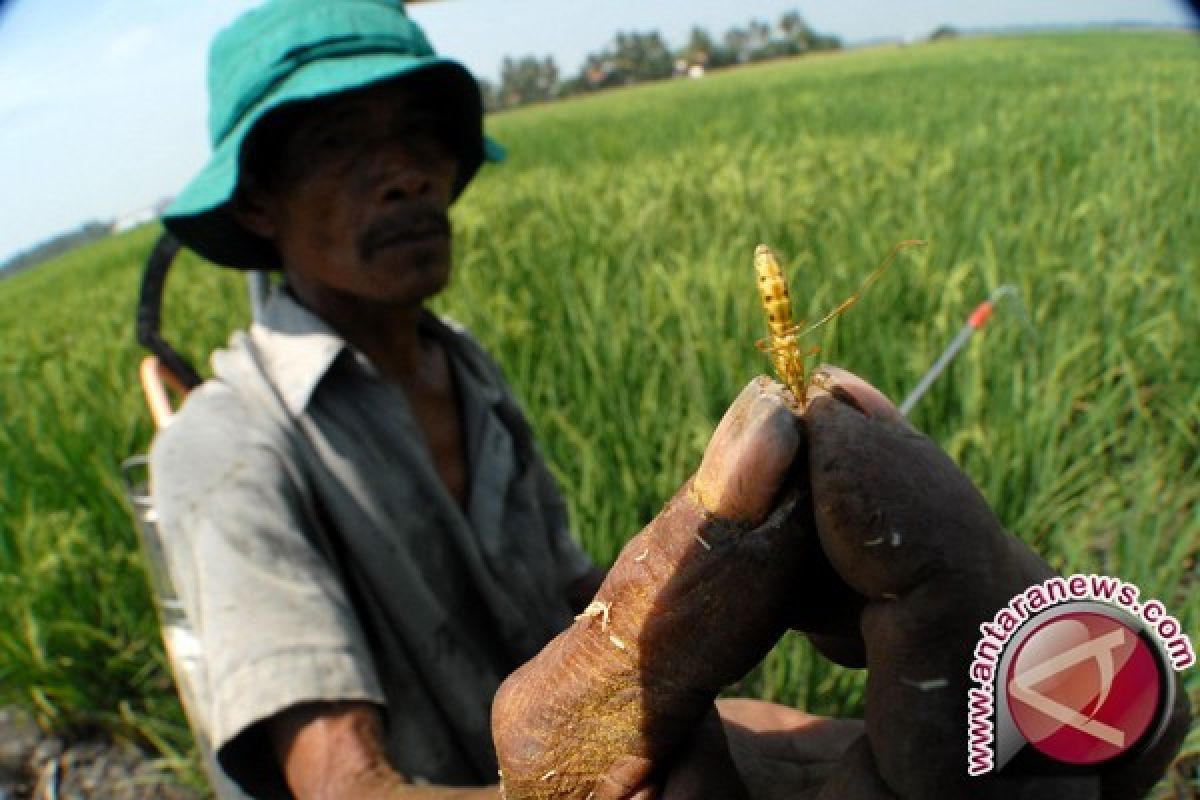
point(1083, 687)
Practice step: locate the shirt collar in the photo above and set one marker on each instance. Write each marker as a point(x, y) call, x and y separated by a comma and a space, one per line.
point(300, 349)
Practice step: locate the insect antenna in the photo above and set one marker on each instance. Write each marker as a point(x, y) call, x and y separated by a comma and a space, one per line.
point(871, 280)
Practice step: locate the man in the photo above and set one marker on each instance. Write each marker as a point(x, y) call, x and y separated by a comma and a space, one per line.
point(363, 532)
point(362, 519)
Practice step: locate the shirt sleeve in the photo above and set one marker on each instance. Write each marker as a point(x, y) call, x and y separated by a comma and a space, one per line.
point(273, 619)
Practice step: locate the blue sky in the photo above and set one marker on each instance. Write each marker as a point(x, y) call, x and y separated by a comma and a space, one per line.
point(102, 102)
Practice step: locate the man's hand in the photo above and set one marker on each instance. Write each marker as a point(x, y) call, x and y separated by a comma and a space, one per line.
point(906, 530)
point(331, 751)
point(619, 704)
point(782, 753)
point(894, 563)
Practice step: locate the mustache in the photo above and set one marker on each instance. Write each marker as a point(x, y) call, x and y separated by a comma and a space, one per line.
point(413, 223)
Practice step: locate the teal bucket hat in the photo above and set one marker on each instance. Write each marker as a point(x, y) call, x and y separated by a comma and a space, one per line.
point(291, 51)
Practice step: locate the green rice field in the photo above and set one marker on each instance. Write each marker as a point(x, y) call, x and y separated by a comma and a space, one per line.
point(607, 265)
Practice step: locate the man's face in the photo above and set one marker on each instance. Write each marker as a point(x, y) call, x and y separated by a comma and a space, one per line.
point(354, 196)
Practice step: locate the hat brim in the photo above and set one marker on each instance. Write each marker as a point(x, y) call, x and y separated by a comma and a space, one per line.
point(200, 215)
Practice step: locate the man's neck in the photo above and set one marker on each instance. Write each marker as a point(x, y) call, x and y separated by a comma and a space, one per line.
point(387, 334)
point(390, 336)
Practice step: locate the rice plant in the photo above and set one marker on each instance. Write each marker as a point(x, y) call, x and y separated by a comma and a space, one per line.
point(608, 267)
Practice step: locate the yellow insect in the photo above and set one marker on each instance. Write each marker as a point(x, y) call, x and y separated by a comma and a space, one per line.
point(783, 344)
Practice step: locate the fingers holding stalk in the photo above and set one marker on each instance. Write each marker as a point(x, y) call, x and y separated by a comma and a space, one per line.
point(837, 518)
point(704, 591)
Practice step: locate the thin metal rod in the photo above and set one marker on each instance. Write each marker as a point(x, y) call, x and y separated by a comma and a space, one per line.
point(956, 344)
point(978, 318)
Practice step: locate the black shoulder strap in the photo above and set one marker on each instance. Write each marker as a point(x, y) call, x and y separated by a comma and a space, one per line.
point(149, 311)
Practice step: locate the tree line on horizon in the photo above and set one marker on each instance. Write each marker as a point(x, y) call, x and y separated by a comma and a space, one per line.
point(630, 58)
point(90, 231)
point(636, 57)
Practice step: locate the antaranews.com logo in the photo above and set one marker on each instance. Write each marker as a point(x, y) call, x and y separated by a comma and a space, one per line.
point(1078, 669)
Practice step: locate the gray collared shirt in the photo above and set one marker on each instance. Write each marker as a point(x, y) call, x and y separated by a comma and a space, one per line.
point(320, 557)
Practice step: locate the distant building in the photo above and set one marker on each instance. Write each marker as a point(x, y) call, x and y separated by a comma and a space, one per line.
point(691, 69)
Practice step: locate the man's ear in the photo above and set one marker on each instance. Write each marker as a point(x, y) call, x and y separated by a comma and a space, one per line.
point(251, 206)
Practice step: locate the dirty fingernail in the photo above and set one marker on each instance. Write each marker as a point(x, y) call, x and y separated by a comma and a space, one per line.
point(748, 455)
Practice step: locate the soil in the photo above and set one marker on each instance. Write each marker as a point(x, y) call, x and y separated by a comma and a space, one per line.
point(39, 766)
